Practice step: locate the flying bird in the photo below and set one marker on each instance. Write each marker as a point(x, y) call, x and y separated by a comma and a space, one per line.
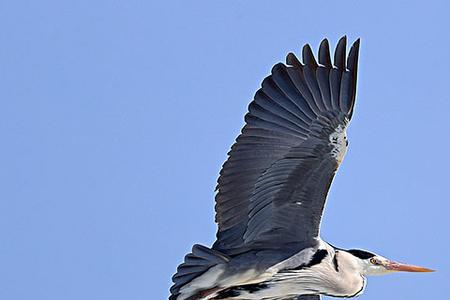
point(272, 190)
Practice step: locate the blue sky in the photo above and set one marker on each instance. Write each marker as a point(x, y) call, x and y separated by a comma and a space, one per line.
point(115, 117)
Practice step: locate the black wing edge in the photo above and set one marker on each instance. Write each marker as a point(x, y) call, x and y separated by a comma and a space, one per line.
point(343, 71)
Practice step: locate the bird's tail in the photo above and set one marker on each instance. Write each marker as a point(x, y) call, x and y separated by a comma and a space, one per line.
point(195, 264)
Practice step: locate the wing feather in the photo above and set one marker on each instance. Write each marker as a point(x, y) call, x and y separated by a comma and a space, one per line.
point(313, 86)
point(305, 97)
point(308, 57)
point(323, 75)
point(324, 54)
point(339, 54)
point(335, 85)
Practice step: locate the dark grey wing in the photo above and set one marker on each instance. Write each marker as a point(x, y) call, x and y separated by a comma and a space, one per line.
point(309, 297)
point(273, 187)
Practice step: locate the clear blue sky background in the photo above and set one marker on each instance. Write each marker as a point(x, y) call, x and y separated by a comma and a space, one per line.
point(115, 117)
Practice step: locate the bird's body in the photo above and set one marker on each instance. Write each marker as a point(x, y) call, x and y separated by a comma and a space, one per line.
point(311, 271)
point(272, 191)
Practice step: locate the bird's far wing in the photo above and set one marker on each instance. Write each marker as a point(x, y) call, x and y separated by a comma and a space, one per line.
point(273, 187)
point(309, 297)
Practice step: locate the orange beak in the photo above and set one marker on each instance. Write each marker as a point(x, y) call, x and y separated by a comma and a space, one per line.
point(395, 266)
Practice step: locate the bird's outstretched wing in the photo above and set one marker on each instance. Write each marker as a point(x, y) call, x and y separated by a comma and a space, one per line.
point(272, 189)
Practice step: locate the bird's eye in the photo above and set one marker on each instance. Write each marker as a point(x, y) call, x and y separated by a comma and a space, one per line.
point(373, 261)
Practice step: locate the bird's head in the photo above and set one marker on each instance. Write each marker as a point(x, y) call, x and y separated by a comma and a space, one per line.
point(373, 264)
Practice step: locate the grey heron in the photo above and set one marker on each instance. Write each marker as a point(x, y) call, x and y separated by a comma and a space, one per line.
point(273, 187)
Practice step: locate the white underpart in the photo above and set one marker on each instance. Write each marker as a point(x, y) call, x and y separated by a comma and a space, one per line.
point(338, 140)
